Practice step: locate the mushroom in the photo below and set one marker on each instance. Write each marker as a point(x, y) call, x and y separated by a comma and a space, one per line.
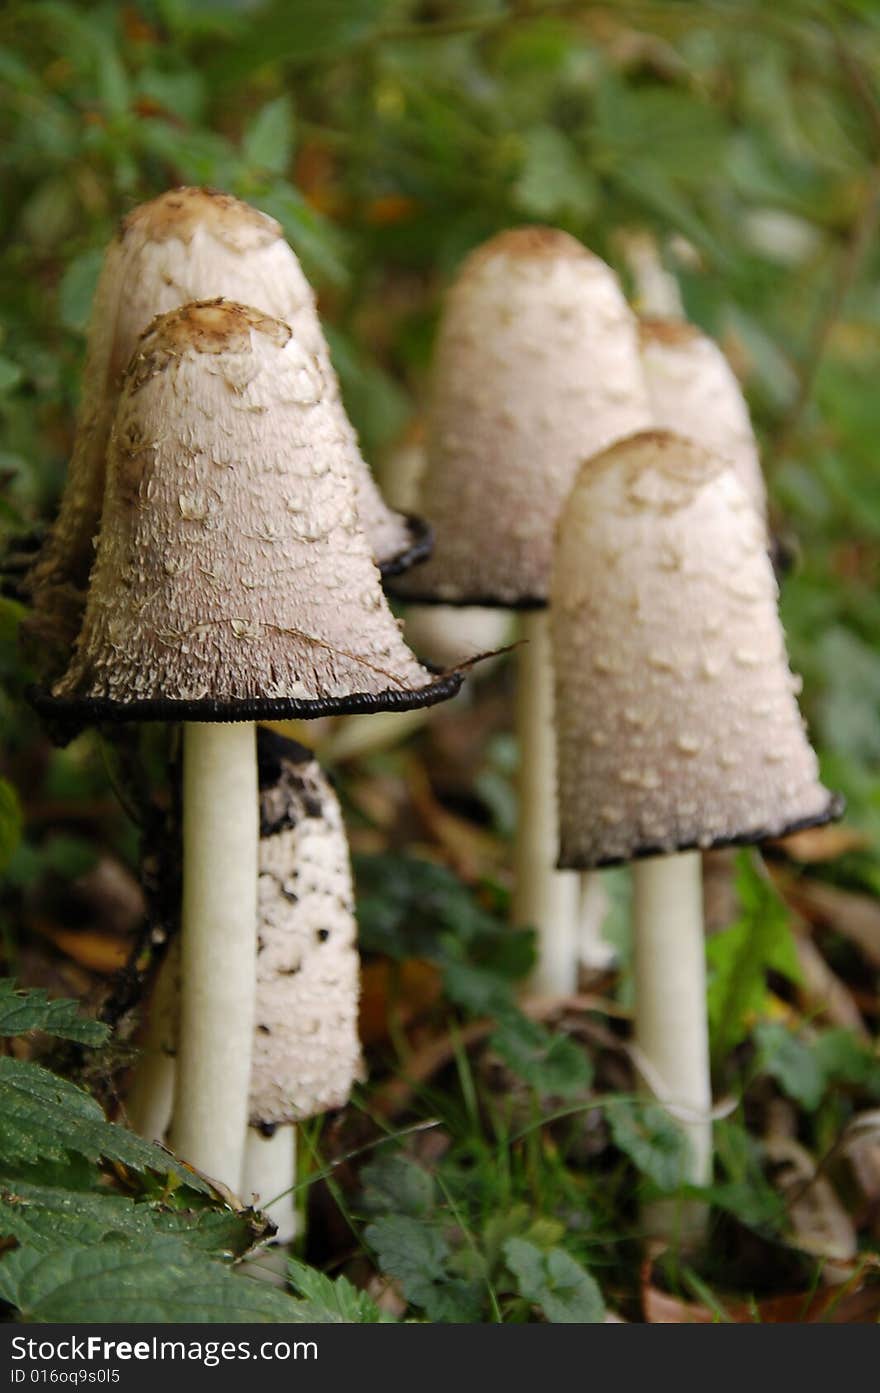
point(694, 392)
point(536, 369)
point(306, 1051)
point(678, 725)
point(232, 582)
point(188, 244)
point(306, 1048)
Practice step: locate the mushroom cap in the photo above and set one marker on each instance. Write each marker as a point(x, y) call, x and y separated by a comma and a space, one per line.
point(188, 244)
point(536, 368)
point(306, 1048)
point(676, 713)
point(694, 392)
point(233, 579)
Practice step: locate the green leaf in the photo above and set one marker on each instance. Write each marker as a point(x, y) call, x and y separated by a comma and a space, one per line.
point(152, 1280)
point(10, 374)
point(552, 1064)
point(398, 1185)
point(22, 1010)
point(335, 1300)
point(553, 181)
point(298, 33)
point(11, 822)
point(740, 957)
point(416, 1254)
point(268, 139)
point(43, 1116)
point(653, 1141)
point(845, 1059)
point(77, 289)
point(791, 1062)
point(565, 1292)
point(45, 1217)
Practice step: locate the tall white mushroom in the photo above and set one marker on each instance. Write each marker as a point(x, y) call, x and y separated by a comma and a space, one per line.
point(188, 244)
point(306, 1047)
point(678, 724)
point(536, 368)
point(232, 582)
point(306, 1051)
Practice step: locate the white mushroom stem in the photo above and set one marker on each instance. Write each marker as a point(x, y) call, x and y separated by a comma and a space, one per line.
point(671, 1027)
point(218, 947)
point(150, 1100)
point(269, 1175)
point(545, 899)
point(594, 950)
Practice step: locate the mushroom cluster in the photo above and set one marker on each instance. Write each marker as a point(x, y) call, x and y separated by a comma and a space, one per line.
point(578, 458)
point(233, 579)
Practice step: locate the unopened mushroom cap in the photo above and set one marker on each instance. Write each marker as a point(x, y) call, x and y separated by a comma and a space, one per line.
point(536, 368)
point(695, 393)
point(233, 579)
point(676, 712)
point(306, 1048)
point(188, 244)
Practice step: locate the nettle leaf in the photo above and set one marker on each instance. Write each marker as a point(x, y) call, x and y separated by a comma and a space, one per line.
point(397, 1185)
point(268, 139)
point(10, 822)
point(552, 1064)
point(45, 1117)
point(21, 1011)
point(151, 1280)
point(791, 1062)
point(42, 1217)
point(740, 957)
point(656, 1144)
point(564, 1291)
point(417, 1255)
point(331, 1299)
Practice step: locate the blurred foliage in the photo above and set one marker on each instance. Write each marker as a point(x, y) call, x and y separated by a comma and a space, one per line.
point(388, 137)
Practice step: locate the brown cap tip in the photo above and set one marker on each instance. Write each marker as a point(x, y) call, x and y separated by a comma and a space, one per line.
point(180, 212)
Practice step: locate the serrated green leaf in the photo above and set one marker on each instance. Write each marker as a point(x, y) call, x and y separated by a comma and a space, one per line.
point(267, 143)
point(152, 1280)
point(740, 957)
point(551, 1064)
point(656, 1144)
point(22, 1010)
point(417, 1255)
point(11, 821)
point(44, 1217)
point(329, 1298)
point(791, 1062)
point(565, 1292)
point(43, 1116)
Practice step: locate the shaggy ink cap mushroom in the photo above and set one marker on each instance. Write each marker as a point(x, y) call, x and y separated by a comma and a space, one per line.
point(536, 368)
point(233, 580)
point(677, 719)
point(306, 1053)
point(694, 392)
point(189, 244)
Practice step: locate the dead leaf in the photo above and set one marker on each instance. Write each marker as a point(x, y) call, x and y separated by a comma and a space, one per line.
point(817, 844)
